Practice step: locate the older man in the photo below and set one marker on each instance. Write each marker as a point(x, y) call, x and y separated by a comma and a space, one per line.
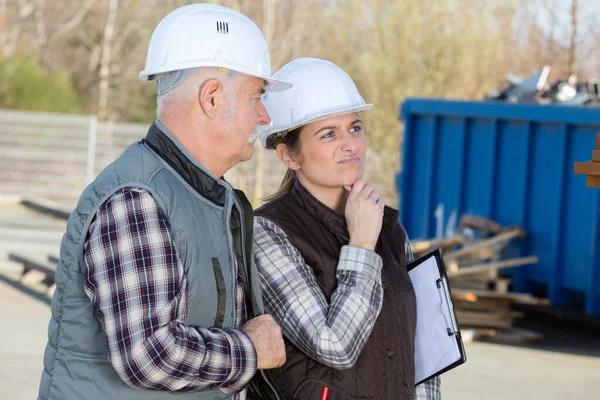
point(157, 295)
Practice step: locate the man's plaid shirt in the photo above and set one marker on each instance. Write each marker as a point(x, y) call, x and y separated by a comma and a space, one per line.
point(333, 333)
point(137, 284)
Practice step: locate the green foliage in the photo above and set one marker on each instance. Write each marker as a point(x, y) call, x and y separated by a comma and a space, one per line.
point(26, 85)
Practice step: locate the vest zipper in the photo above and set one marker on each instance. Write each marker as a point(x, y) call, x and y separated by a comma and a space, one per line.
point(248, 267)
point(229, 206)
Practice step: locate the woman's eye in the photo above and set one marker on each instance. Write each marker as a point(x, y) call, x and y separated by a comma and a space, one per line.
point(327, 135)
point(356, 128)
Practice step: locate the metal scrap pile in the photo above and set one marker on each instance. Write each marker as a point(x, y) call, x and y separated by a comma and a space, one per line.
point(536, 89)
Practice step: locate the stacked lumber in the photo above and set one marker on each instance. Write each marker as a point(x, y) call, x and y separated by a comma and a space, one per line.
point(474, 259)
point(591, 168)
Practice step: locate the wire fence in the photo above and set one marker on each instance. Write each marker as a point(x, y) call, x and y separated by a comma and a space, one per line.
point(54, 157)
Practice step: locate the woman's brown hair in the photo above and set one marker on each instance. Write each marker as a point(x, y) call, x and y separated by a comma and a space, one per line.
point(293, 144)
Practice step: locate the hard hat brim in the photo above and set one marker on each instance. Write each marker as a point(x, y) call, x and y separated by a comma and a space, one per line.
point(320, 117)
point(273, 85)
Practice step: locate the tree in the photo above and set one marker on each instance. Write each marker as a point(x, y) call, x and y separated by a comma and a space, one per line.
point(25, 85)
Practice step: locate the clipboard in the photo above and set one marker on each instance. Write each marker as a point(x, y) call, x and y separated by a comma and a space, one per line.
point(438, 342)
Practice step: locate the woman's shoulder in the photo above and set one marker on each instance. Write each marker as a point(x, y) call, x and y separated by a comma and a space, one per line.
point(272, 205)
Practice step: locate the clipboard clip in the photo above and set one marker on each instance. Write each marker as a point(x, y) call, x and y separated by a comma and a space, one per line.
point(447, 306)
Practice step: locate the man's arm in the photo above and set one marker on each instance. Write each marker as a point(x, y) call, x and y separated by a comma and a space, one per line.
point(332, 333)
point(136, 282)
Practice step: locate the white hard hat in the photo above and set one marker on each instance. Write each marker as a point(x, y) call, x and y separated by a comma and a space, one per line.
point(321, 90)
point(208, 35)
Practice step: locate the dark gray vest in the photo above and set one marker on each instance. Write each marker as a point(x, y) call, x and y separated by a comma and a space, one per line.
point(199, 208)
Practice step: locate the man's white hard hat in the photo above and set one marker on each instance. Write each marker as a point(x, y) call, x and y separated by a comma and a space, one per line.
point(208, 35)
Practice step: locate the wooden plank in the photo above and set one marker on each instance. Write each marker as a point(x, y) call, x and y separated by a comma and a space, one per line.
point(480, 223)
point(475, 282)
point(501, 285)
point(487, 319)
point(587, 168)
point(593, 181)
point(476, 256)
point(521, 298)
point(422, 246)
point(512, 336)
point(596, 155)
point(488, 305)
point(512, 262)
point(468, 284)
point(28, 265)
point(598, 141)
point(482, 244)
point(47, 207)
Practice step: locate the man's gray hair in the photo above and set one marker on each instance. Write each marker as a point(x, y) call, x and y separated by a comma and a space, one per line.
point(176, 87)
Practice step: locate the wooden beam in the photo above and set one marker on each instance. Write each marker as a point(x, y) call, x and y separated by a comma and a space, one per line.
point(482, 244)
point(593, 181)
point(475, 295)
point(587, 168)
point(511, 262)
point(480, 223)
point(487, 319)
point(420, 246)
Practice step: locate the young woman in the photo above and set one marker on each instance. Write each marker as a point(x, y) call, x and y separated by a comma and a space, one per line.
point(331, 256)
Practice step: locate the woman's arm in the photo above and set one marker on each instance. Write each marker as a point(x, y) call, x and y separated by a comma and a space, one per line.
point(333, 333)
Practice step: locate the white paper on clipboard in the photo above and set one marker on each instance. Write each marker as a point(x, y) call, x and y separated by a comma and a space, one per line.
point(436, 345)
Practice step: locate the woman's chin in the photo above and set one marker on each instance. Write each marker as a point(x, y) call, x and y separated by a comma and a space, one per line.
point(350, 180)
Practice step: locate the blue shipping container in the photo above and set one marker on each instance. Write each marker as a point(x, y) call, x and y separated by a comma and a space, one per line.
point(513, 164)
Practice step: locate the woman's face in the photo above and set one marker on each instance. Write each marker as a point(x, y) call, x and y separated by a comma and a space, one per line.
point(332, 151)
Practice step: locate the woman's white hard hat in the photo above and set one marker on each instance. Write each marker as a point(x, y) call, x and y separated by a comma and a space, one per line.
point(320, 90)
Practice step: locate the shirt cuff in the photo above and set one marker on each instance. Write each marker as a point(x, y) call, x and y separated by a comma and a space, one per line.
point(244, 361)
point(359, 259)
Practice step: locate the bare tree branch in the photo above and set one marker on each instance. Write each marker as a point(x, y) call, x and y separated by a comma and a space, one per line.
point(122, 36)
point(268, 31)
point(95, 58)
point(573, 41)
point(74, 22)
point(25, 9)
point(109, 31)
point(88, 42)
point(39, 24)
point(3, 25)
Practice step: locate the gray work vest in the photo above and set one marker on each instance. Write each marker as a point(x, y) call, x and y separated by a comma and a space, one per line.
point(199, 208)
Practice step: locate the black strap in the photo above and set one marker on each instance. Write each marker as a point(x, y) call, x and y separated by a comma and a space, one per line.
point(220, 317)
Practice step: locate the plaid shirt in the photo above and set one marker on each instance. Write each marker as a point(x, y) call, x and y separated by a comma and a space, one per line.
point(332, 333)
point(137, 284)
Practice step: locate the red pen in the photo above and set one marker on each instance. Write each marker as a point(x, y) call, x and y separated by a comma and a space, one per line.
point(325, 393)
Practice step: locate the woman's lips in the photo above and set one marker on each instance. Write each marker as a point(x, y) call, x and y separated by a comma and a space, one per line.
point(350, 160)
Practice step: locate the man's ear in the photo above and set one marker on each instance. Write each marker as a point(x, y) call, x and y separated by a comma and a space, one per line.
point(210, 97)
point(285, 155)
